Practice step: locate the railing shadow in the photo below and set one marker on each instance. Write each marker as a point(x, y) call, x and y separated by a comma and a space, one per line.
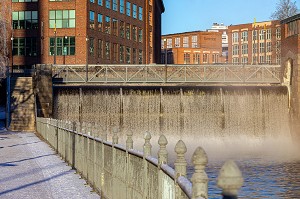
point(34, 183)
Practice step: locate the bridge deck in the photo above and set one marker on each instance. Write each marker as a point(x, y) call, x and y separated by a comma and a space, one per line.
point(31, 169)
point(166, 74)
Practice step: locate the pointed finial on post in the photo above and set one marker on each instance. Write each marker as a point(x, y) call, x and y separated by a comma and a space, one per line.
point(147, 145)
point(199, 178)
point(129, 140)
point(230, 180)
point(162, 152)
point(180, 162)
point(115, 136)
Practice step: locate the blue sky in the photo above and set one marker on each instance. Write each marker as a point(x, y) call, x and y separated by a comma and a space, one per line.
point(191, 15)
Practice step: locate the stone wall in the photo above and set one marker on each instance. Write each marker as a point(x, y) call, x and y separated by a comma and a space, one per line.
point(43, 90)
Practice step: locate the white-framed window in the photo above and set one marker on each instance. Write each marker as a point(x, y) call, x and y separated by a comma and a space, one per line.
point(169, 43)
point(278, 46)
point(278, 33)
point(261, 59)
point(196, 58)
point(244, 36)
point(177, 42)
point(261, 34)
point(261, 47)
point(215, 58)
point(186, 58)
point(235, 50)
point(162, 44)
point(254, 59)
point(244, 49)
point(185, 42)
point(194, 41)
point(278, 59)
point(244, 60)
point(235, 37)
point(268, 34)
point(235, 60)
point(254, 48)
point(205, 58)
point(254, 35)
point(269, 46)
point(269, 59)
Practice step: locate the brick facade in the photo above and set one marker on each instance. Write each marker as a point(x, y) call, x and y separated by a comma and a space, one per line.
point(254, 43)
point(192, 48)
point(290, 53)
point(94, 43)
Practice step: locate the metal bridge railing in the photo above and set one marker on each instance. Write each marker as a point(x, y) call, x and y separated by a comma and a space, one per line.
point(117, 172)
point(239, 74)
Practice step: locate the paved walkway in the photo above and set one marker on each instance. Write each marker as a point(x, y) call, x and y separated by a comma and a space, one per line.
point(29, 169)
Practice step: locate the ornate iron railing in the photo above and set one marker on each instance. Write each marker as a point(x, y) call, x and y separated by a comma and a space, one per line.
point(234, 74)
point(117, 172)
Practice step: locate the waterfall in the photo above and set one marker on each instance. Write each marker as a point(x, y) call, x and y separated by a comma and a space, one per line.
point(214, 117)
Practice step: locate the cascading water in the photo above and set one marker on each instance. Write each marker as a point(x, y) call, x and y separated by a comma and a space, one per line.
point(248, 124)
point(215, 118)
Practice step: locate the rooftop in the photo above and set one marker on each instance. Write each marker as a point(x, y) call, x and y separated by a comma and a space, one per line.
point(290, 19)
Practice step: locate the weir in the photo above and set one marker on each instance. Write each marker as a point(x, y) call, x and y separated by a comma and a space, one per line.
point(207, 116)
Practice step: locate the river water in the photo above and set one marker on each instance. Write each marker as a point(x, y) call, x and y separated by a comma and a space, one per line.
point(249, 125)
point(262, 179)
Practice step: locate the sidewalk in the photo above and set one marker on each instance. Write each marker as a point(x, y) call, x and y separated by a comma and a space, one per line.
point(30, 169)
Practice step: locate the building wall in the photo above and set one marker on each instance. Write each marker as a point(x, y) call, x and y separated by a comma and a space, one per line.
point(87, 36)
point(5, 19)
point(253, 53)
point(290, 52)
point(182, 47)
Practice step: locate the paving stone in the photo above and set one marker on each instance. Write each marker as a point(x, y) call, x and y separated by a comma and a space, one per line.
point(30, 169)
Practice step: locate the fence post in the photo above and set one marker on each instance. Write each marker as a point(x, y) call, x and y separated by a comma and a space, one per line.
point(199, 178)
point(162, 159)
point(56, 136)
point(115, 140)
point(180, 162)
point(180, 165)
point(230, 180)
point(162, 152)
point(129, 141)
point(147, 145)
point(147, 152)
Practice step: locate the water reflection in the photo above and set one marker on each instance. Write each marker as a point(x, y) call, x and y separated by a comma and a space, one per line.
point(262, 179)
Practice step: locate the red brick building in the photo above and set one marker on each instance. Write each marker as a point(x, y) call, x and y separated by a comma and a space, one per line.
point(254, 43)
point(290, 53)
point(196, 47)
point(80, 32)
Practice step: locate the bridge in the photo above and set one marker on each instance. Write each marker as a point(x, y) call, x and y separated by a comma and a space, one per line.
point(100, 161)
point(167, 74)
